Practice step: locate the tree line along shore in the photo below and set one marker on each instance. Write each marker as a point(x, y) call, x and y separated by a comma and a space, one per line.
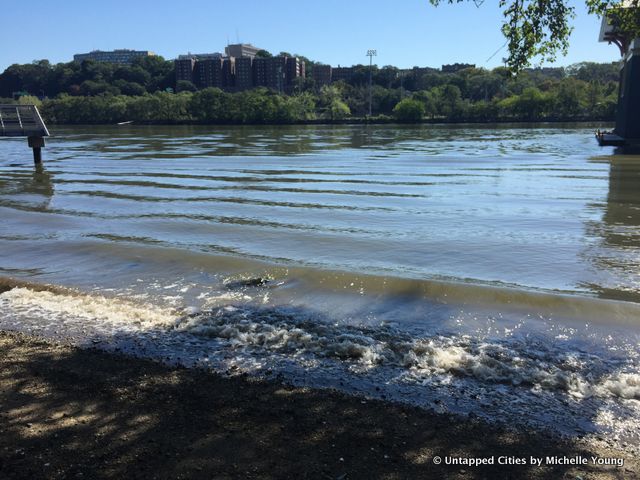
point(144, 92)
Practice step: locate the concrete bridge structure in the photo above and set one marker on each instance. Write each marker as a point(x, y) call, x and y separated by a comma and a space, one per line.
point(627, 129)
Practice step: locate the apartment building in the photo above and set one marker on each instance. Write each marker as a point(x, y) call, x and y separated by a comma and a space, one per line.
point(122, 56)
point(294, 68)
point(456, 67)
point(321, 74)
point(184, 69)
point(260, 72)
point(244, 73)
point(208, 73)
point(239, 73)
point(239, 50)
point(341, 73)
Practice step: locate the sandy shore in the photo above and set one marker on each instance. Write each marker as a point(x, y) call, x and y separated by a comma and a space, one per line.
point(71, 413)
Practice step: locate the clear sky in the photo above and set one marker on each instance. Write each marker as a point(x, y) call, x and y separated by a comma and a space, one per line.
point(339, 32)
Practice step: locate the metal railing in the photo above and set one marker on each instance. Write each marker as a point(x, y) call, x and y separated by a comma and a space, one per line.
point(21, 121)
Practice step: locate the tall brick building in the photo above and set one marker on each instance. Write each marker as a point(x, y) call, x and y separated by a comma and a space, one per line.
point(295, 68)
point(260, 72)
point(240, 73)
point(322, 74)
point(275, 73)
point(341, 73)
point(208, 73)
point(244, 73)
point(184, 69)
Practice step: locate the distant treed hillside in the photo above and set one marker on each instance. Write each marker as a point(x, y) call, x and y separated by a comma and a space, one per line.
point(89, 78)
point(143, 92)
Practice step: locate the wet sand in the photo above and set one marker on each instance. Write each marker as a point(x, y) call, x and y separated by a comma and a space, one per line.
point(72, 413)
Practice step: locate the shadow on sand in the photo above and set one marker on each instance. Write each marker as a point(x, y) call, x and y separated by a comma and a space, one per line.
point(69, 413)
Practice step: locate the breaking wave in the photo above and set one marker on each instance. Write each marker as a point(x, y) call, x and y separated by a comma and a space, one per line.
point(60, 306)
point(528, 361)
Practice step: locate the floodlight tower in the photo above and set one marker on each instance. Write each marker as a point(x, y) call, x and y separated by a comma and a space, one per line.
point(371, 54)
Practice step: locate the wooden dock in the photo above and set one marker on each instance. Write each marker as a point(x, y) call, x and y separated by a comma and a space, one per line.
point(609, 139)
point(24, 121)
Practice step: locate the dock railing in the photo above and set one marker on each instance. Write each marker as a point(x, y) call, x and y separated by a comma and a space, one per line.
point(24, 121)
point(21, 121)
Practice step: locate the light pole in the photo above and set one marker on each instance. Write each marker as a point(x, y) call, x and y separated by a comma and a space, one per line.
point(371, 54)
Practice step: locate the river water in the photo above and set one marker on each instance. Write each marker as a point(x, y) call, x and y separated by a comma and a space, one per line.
point(491, 271)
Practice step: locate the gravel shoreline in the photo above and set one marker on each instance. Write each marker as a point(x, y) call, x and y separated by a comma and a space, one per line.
point(66, 412)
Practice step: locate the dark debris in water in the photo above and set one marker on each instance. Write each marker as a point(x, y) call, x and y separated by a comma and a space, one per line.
point(247, 283)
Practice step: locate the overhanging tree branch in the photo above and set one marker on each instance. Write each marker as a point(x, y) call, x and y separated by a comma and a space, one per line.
point(540, 29)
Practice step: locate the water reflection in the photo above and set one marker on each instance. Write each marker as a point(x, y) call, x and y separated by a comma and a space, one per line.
point(190, 141)
point(524, 207)
point(31, 186)
point(617, 252)
point(622, 214)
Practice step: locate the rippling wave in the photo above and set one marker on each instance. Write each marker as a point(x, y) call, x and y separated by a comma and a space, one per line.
point(490, 268)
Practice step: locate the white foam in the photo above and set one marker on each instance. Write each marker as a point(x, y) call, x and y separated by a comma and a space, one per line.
point(529, 365)
point(92, 308)
point(525, 363)
point(623, 385)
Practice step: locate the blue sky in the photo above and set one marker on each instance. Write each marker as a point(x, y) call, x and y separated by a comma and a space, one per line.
point(405, 32)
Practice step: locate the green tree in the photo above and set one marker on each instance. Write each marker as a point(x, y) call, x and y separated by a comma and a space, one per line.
point(210, 105)
point(541, 28)
point(569, 98)
point(485, 86)
point(29, 100)
point(185, 86)
point(531, 104)
point(302, 106)
point(483, 111)
point(409, 110)
point(129, 88)
point(430, 80)
point(338, 110)
point(428, 101)
point(598, 72)
point(384, 99)
point(386, 77)
point(132, 74)
point(594, 96)
point(91, 88)
point(449, 101)
point(331, 103)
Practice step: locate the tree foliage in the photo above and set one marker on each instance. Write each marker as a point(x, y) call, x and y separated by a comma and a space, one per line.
point(409, 110)
point(210, 105)
point(89, 78)
point(540, 29)
point(98, 93)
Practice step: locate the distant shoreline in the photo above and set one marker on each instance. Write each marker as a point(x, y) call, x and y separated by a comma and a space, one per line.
point(355, 121)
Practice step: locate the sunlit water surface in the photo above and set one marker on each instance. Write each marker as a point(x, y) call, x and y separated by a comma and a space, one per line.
point(484, 270)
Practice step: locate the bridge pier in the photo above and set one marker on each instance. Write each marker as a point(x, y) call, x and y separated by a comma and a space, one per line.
point(627, 130)
point(628, 112)
point(36, 143)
